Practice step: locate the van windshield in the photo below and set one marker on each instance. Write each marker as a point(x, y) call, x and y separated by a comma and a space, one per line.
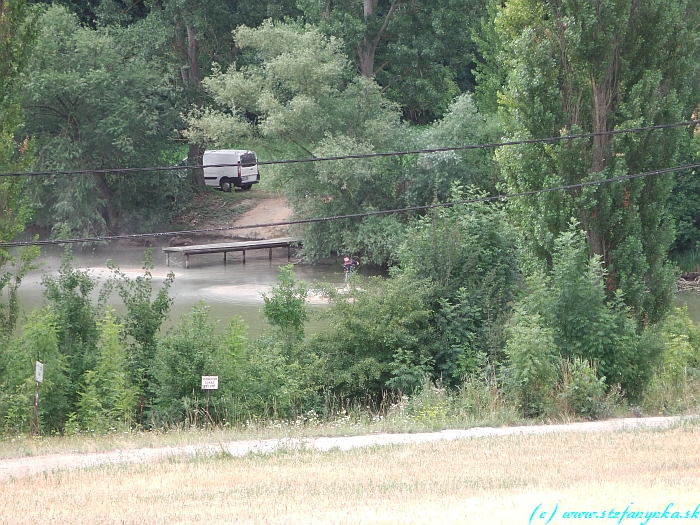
point(248, 160)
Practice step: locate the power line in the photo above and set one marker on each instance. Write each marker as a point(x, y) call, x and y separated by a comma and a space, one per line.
point(359, 215)
point(492, 145)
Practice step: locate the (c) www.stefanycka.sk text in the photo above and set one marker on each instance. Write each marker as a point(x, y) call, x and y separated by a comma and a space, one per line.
point(632, 513)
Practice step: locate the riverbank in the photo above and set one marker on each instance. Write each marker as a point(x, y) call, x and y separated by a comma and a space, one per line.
point(216, 209)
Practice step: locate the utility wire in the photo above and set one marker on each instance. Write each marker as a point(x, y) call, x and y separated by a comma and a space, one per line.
point(360, 215)
point(492, 145)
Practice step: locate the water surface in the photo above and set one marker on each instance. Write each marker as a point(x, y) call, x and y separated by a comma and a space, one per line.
point(229, 289)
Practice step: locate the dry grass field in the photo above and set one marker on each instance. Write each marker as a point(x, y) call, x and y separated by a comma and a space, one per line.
point(489, 480)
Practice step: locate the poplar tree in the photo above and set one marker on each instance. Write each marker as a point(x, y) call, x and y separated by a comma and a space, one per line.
point(577, 66)
point(16, 35)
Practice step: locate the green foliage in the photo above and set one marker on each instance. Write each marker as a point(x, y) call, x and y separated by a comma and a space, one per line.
point(9, 287)
point(420, 52)
point(433, 176)
point(380, 336)
point(531, 372)
point(39, 341)
point(684, 205)
point(578, 66)
point(93, 102)
point(298, 89)
point(107, 398)
point(279, 381)
point(583, 390)
point(467, 255)
point(430, 405)
point(182, 358)
point(17, 27)
point(143, 320)
point(69, 294)
point(572, 302)
point(675, 385)
point(285, 307)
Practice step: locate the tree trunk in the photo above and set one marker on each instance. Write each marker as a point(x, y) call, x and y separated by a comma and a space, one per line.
point(605, 95)
point(112, 215)
point(194, 156)
point(188, 45)
point(367, 50)
point(369, 6)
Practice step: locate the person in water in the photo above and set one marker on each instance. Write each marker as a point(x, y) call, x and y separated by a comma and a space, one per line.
point(349, 265)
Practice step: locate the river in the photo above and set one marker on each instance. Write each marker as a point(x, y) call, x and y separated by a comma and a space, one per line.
point(229, 289)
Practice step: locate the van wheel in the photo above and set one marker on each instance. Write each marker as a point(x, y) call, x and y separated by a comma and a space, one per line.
point(246, 186)
point(225, 185)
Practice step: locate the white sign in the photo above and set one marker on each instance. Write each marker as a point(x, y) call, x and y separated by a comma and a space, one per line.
point(39, 372)
point(210, 382)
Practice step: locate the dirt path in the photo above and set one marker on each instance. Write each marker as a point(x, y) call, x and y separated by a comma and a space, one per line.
point(265, 211)
point(29, 466)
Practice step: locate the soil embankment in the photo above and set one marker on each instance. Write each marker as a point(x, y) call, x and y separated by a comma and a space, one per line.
point(263, 211)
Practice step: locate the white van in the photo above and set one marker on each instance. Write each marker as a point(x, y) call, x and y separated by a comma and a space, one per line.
point(241, 169)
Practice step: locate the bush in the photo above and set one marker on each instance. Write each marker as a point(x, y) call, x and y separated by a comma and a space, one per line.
point(39, 341)
point(675, 385)
point(583, 390)
point(531, 372)
point(380, 336)
point(107, 399)
point(182, 358)
point(465, 253)
point(571, 300)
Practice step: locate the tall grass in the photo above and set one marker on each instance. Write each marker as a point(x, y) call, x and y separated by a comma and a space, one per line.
point(688, 261)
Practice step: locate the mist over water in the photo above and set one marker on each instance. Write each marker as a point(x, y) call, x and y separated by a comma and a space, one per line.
point(229, 289)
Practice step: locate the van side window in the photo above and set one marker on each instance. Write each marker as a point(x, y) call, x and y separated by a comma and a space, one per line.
point(248, 160)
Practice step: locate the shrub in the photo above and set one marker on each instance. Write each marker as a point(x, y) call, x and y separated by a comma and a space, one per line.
point(675, 385)
point(39, 341)
point(583, 390)
point(380, 336)
point(107, 400)
point(531, 372)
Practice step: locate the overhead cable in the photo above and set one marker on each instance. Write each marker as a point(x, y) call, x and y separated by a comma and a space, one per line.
point(358, 215)
point(492, 145)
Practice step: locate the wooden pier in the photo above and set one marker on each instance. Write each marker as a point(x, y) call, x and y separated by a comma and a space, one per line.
point(233, 247)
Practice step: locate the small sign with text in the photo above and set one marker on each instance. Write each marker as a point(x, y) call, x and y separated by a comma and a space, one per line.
point(210, 382)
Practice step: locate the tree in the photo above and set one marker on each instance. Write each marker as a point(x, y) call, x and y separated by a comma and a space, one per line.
point(143, 320)
point(17, 28)
point(684, 203)
point(434, 175)
point(285, 307)
point(107, 398)
point(466, 253)
point(419, 51)
point(578, 66)
point(299, 92)
point(199, 36)
point(93, 101)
